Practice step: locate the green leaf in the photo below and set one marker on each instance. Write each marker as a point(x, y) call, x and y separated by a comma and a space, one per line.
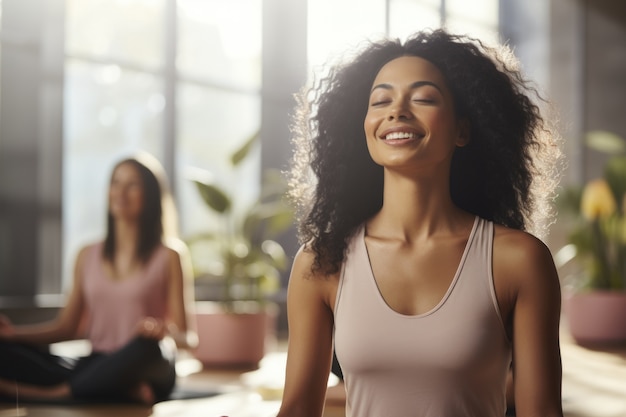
point(275, 216)
point(604, 141)
point(201, 237)
point(276, 252)
point(241, 153)
point(615, 175)
point(252, 223)
point(280, 221)
point(214, 197)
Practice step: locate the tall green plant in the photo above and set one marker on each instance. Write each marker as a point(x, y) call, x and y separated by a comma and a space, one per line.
point(244, 240)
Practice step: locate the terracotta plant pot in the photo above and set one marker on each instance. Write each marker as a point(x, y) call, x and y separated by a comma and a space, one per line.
point(227, 339)
point(597, 317)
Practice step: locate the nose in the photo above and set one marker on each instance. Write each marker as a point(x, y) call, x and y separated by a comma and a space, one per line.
point(399, 111)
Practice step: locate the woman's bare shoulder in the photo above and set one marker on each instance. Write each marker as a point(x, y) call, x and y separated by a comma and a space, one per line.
point(522, 256)
point(518, 244)
point(175, 246)
point(91, 246)
point(306, 276)
point(305, 265)
point(86, 249)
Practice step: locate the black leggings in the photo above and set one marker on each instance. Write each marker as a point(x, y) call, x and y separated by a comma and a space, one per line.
point(99, 376)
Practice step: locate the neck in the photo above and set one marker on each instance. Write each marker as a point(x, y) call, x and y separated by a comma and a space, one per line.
point(415, 208)
point(126, 236)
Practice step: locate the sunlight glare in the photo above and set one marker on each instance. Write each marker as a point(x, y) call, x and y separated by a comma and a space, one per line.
point(239, 31)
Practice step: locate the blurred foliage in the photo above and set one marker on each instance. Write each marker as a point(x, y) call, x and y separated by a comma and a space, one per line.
point(250, 260)
point(598, 210)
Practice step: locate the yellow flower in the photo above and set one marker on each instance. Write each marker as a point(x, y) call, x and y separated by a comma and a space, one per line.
point(597, 200)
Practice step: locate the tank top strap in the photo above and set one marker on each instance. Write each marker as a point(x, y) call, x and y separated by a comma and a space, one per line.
point(480, 260)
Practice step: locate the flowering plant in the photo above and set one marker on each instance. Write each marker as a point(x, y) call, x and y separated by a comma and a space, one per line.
point(599, 232)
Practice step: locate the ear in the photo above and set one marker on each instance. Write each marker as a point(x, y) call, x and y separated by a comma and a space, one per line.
point(463, 137)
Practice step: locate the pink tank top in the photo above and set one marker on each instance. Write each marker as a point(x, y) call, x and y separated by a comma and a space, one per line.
point(115, 307)
point(449, 362)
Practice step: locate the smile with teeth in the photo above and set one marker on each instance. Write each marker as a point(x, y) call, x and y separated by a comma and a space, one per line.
point(401, 135)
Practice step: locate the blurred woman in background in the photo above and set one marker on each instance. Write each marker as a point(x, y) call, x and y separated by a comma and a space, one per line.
point(129, 299)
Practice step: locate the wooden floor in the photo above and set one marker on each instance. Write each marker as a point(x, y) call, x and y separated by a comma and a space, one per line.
point(244, 393)
point(594, 380)
point(594, 385)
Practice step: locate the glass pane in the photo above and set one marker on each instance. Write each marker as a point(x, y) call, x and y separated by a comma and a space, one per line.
point(220, 41)
point(212, 125)
point(407, 17)
point(335, 26)
point(429, 3)
point(487, 34)
point(127, 30)
point(109, 113)
point(480, 11)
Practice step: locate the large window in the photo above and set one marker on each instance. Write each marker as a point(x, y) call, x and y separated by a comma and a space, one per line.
point(219, 102)
point(123, 93)
point(334, 26)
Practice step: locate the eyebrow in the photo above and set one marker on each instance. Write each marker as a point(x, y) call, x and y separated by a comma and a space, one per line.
point(416, 84)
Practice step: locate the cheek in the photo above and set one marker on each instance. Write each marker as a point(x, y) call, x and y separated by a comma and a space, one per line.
point(369, 128)
point(442, 119)
point(113, 193)
point(138, 196)
point(372, 148)
point(370, 124)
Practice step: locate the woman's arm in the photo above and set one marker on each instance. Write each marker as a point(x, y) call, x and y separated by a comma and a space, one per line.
point(534, 292)
point(64, 327)
point(309, 353)
point(180, 325)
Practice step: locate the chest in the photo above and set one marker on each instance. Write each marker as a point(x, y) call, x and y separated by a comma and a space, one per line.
point(413, 279)
point(143, 284)
point(436, 312)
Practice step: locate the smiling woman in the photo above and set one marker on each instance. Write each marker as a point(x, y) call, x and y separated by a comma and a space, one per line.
point(431, 167)
point(411, 108)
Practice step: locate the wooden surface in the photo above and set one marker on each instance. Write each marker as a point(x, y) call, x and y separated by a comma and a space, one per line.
point(594, 385)
point(594, 380)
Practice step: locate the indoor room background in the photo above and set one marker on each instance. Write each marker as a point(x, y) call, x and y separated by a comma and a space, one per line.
point(85, 82)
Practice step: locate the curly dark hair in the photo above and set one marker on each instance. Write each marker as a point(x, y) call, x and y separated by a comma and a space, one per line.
point(507, 173)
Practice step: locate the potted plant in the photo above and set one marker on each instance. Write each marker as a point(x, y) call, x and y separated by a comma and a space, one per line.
point(242, 260)
point(595, 305)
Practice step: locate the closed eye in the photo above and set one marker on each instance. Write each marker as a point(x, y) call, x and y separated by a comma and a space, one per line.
point(424, 100)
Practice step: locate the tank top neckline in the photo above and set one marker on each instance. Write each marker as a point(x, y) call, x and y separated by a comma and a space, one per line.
point(135, 274)
point(379, 295)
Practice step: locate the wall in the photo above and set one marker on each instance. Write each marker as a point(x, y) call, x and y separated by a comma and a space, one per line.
point(604, 103)
point(30, 148)
point(587, 82)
